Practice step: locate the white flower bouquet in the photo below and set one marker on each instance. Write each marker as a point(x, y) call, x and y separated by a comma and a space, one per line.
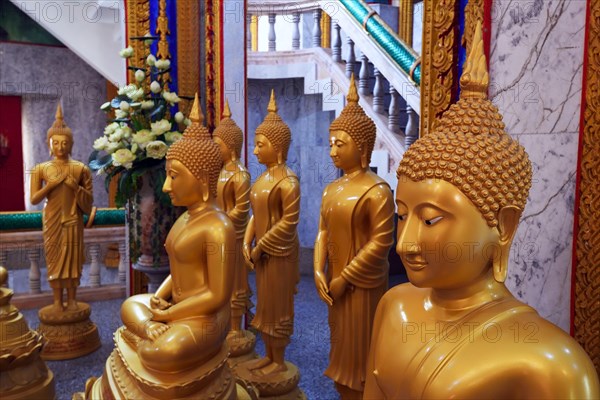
point(142, 124)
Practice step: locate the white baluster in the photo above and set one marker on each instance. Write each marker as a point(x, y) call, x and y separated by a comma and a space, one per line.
point(351, 60)
point(378, 93)
point(34, 270)
point(296, 31)
point(394, 111)
point(122, 262)
point(248, 32)
point(272, 37)
point(94, 250)
point(336, 47)
point(363, 76)
point(316, 33)
point(412, 127)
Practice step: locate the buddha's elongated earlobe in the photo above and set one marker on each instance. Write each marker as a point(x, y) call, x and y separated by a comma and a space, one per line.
point(233, 156)
point(508, 220)
point(363, 157)
point(279, 157)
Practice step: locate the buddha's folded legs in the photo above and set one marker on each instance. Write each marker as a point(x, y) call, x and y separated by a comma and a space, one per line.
point(184, 344)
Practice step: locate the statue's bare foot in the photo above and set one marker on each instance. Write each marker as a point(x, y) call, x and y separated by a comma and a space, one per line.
point(57, 307)
point(263, 362)
point(72, 305)
point(154, 329)
point(272, 368)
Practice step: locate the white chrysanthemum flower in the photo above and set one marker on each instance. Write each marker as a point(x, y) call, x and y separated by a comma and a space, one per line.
point(146, 105)
point(151, 60)
point(163, 64)
point(187, 122)
point(160, 127)
point(124, 106)
point(137, 94)
point(179, 117)
point(172, 137)
point(121, 114)
point(140, 75)
point(148, 41)
point(155, 87)
point(126, 89)
point(142, 138)
point(111, 147)
point(123, 157)
point(171, 97)
point(156, 149)
point(110, 128)
point(101, 143)
point(126, 130)
point(117, 136)
point(105, 106)
point(126, 52)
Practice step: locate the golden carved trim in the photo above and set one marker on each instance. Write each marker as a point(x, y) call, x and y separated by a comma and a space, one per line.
point(188, 51)
point(254, 32)
point(405, 21)
point(162, 30)
point(325, 30)
point(438, 72)
point(138, 24)
point(473, 14)
point(211, 122)
point(586, 322)
point(213, 61)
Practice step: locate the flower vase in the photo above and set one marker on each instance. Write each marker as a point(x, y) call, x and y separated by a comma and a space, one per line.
point(149, 221)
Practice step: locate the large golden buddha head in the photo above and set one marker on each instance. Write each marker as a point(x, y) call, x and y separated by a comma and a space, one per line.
point(229, 136)
point(275, 130)
point(356, 124)
point(467, 162)
point(59, 137)
point(197, 153)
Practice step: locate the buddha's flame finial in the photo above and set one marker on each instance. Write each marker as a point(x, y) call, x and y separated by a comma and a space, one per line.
point(475, 78)
point(227, 110)
point(272, 107)
point(59, 113)
point(59, 126)
point(196, 113)
point(352, 92)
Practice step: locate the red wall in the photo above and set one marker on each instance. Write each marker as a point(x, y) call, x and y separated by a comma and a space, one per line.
point(11, 167)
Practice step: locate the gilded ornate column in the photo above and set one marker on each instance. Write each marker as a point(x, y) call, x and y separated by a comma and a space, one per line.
point(405, 21)
point(138, 24)
point(212, 37)
point(188, 50)
point(586, 324)
point(439, 80)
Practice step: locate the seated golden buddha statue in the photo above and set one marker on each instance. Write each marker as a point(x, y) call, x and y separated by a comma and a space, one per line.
point(455, 331)
point(356, 229)
point(173, 343)
point(233, 197)
point(275, 201)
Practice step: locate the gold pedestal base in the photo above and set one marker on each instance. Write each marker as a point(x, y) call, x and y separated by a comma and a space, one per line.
point(70, 334)
point(241, 347)
point(31, 381)
point(277, 386)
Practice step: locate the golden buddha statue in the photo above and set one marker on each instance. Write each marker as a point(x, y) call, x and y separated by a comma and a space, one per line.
point(275, 200)
point(173, 342)
point(455, 331)
point(23, 374)
point(233, 197)
point(66, 185)
point(356, 231)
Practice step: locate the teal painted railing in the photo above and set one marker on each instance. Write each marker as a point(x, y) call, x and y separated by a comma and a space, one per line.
point(17, 221)
point(398, 51)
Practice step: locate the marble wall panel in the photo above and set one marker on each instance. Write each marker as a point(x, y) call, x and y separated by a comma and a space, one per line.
point(309, 152)
point(42, 75)
point(536, 79)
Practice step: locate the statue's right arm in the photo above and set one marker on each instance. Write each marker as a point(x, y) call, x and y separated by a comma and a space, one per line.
point(320, 257)
point(165, 289)
point(247, 246)
point(37, 191)
point(372, 389)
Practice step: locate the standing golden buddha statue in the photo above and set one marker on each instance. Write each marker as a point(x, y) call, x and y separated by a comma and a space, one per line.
point(66, 185)
point(173, 342)
point(455, 331)
point(356, 232)
point(275, 200)
point(233, 197)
